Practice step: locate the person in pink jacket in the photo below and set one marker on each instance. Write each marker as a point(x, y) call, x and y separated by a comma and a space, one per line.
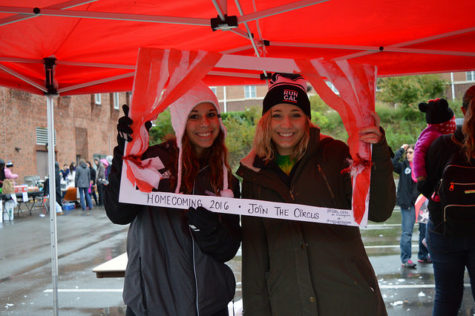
point(8, 172)
point(440, 120)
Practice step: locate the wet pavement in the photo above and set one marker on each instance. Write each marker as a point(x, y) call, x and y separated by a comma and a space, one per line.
point(85, 241)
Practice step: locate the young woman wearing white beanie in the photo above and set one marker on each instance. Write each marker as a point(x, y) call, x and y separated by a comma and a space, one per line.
point(175, 258)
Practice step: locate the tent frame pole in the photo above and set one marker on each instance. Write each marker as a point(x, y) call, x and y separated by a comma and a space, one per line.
point(21, 77)
point(51, 91)
point(52, 202)
point(60, 6)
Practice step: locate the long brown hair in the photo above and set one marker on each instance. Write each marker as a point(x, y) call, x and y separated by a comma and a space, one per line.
point(468, 127)
point(264, 146)
point(214, 157)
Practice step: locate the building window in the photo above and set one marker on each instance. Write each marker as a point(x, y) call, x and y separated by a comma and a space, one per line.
point(97, 98)
point(42, 136)
point(249, 92)
point(470, 75)
point(215, 90)
point(116, 100)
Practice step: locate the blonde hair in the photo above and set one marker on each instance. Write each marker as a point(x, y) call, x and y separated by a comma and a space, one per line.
point(264, 146)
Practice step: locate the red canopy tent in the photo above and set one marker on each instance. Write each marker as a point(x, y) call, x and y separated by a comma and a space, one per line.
point(87, 46)
point(95, 43)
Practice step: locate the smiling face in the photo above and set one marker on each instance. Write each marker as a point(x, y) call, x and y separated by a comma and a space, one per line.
point(202, 126)
point(288, 123)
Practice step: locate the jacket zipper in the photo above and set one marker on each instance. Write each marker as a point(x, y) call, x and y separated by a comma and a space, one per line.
point(320, 170)
point(197, 296)
point(453, 184)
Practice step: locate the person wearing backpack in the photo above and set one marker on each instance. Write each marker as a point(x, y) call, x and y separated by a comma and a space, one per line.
point(450, 161)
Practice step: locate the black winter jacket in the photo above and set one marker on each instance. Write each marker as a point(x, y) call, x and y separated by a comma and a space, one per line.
point(308, 269)
point(171, 270)
point(407, 192)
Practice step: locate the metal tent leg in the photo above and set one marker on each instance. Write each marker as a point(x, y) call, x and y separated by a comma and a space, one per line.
point(52, 202)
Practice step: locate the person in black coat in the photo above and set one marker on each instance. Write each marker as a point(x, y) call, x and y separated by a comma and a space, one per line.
point(93, 180)
point(407, 194)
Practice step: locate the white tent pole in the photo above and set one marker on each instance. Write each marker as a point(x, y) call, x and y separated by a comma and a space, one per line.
point(221, 8)
point(373, 49)
point(52, 202)
point(278, 10)
point(60, 6)
point(235, 50)
point(238, 5)
point(452, 85)
point(107, 16)
point(233, 74)
point(95, 82)
point(416, 41)
point(27, 80)
point(99, 65)
point(153, 18)
point(225, 103)
point(241, 33)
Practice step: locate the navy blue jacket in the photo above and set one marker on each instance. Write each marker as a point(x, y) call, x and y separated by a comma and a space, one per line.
point(407, 192)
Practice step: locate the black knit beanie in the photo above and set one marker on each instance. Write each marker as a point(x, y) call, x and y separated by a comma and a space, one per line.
point(287, 88)
point(437, 111)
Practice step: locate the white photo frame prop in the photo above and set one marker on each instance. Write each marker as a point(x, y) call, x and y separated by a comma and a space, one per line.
point(129, 193)
point(356, 106)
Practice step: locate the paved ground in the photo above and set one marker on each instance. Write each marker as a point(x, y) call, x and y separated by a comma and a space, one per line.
point(86, 241)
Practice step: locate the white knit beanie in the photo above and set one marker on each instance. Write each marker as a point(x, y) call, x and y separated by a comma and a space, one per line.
point(179, 110)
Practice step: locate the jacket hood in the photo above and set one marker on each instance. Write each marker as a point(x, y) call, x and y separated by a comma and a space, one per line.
point(179, 111)
point(181, 108)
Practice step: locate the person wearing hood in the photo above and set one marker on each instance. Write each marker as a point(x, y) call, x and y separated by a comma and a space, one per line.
point(303, 268)
point(176, 258)
point(82, 181)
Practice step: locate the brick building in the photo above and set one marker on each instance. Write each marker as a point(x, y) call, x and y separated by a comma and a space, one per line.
point(459, 82)
point(237, 98)
point(85, 127)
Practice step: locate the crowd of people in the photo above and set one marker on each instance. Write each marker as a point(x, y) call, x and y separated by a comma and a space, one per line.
point(86, 180)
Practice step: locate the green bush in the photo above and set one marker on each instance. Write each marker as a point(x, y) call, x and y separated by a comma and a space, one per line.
point(162, 127)
point(408, 90)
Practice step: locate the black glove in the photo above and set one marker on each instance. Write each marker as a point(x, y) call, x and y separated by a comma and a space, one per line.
point(202, 220)
point(124, 132)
